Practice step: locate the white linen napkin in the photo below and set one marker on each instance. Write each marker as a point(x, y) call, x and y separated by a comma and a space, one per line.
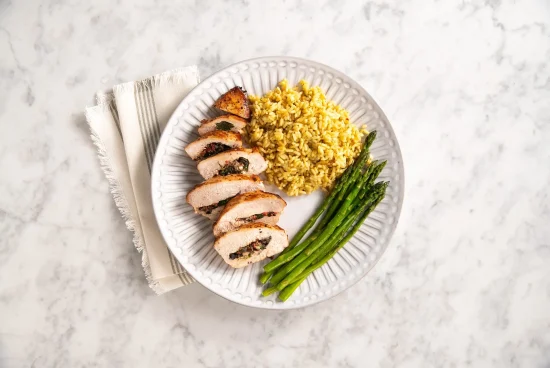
point(126, 126)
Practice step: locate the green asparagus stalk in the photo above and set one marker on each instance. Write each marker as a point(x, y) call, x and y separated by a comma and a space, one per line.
point(295, 274)
point(374, 171)
point(348, 236)
point(359, 164)
point(297, 271)
point(372, 195)
point(266, 276)
point(306, 246)
point(282, 272)
point(342, 182)
point(305, 249)
point(326, 203)
point(285, 270)
point(348, 185)
point(329, 206)
point(270, 290)
point(288, 290)
point(335, 205)
point(365, 178)
point(345, 210)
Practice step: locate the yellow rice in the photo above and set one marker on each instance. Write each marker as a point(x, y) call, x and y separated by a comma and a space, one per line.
point(307, 140)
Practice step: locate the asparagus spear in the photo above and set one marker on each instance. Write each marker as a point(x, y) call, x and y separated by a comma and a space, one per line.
point(305, 246)
point(329, 206)
point(288, 290)
point(371, 174)
point(266, 276)
point(287, 268)
point(306, 259)
point(298, 269)
point(270, 290)
point(329, 201)
point(348, 222)
point(336, 204)
point(372, 196)
point(357, 169)
point(281, 272)
point(326, 203)
point(375, 170)
point(303, 250)
point(363, 157)
point(365, 178)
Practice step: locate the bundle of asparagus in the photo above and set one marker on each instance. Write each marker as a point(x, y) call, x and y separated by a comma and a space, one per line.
point(352, 199)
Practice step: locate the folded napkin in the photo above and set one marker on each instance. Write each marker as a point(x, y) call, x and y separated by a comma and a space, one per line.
point(126, 126)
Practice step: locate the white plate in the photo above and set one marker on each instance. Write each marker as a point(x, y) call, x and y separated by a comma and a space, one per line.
point(189, 236)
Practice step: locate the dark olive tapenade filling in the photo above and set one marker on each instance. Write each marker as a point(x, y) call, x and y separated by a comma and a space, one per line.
point(213, 149)
point(248, 250)
point(237, 166)
point(224, 125)
point(208, 209)
point(257, 216)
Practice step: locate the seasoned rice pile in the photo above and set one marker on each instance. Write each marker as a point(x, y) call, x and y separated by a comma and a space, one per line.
point(307, 140)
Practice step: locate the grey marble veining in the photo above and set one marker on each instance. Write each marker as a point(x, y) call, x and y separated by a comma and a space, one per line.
point(466, 279)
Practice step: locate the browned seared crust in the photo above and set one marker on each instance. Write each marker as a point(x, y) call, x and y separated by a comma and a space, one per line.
point(247, 197)
point(221, 179)
point(221, 135)
point(234, 101)
point(225, 118)
point(257, 224)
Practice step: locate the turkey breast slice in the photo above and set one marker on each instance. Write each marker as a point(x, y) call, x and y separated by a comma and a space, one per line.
point(231, 162)
point(218, 189)
point(213, 143)
point(236, 247)
point(228, 123)
point(256, 207)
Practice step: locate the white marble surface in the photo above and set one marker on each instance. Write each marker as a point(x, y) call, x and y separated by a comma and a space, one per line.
point(466, 280)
